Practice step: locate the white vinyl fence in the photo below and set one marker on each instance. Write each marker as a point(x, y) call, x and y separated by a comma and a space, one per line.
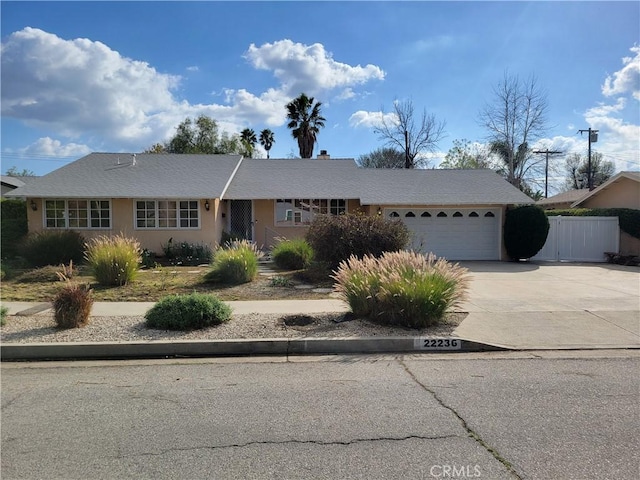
point(580, 239)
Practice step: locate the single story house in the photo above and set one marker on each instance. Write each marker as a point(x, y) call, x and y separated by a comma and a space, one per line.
point(620, 191)
point(9, 183)
point(457, 214)
point(562, 200)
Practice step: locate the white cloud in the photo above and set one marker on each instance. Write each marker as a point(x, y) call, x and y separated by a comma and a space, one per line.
point(308, 68)
point(365, 119)
point(604, 110)
point(47, 146)
point(193, 68)
point(346, 94)
point(81, 88)
point(626, 80)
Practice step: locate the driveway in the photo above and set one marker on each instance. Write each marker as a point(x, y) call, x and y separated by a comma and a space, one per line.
point(553, 305)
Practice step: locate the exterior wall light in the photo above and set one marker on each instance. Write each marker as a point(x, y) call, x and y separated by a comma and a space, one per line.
point(206, 205)
point(34, 205)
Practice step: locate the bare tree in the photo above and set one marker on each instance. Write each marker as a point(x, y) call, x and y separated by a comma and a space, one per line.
point(413, 136)
point(514, 120)
point(578, 171)
point(384, 157)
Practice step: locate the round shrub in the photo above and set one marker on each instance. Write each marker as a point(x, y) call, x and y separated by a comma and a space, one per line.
point(72, 306)
point(401, 288)
point(114, 261)
point(336, 238)
point(234, 264)
point(187, 312)
point(53, 247)
point(293, 254)
point(525, 231)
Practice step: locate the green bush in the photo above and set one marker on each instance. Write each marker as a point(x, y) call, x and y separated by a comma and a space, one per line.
point(4, 311)
point(628, 218)
point(235, 263)
point(13, 226)
point(53, 247)
point(187, 312)
point(401, 288)
point(185, 253)
point(72, 306)
point(113, 260)
point(336, 238)
point(293, 254)
point(525, 231)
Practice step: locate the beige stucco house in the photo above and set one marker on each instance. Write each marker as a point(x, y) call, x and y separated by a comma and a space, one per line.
point(457, 214)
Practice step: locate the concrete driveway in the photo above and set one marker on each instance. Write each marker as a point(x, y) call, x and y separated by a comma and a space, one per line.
point(552, 305)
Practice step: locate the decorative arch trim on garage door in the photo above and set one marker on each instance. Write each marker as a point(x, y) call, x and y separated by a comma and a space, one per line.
point(454, 233)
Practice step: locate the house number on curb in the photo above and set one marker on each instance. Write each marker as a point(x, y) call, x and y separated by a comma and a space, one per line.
point(437, 343)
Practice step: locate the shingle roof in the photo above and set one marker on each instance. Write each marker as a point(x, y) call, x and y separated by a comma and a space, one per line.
point(294, 178)
point(112, 175)
point(569, 196)
point(437, 187)
point(14, 182)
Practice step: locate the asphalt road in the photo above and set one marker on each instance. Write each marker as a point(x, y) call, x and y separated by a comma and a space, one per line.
point(504, 415)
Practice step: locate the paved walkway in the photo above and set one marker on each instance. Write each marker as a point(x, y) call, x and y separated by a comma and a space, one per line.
point(518, 306)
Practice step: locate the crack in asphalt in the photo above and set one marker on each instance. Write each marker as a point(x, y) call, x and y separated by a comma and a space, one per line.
point(293, 442)
point(470, 432)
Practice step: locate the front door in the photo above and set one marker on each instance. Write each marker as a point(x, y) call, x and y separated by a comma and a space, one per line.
point(241, 219)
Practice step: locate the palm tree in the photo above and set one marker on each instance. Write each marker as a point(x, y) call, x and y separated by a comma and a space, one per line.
point(266, 140)
point(305, 122)
point(248, 138)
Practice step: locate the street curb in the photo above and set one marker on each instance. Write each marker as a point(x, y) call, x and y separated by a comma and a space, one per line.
point(222, 348)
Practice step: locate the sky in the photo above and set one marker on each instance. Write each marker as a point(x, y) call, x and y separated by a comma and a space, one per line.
point(81, 77)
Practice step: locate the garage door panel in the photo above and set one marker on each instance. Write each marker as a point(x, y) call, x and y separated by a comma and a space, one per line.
point(470, 235)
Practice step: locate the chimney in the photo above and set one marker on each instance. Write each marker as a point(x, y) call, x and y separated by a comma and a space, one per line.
point(323, 155)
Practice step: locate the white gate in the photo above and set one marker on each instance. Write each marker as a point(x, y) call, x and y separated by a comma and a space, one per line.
point(580, 239)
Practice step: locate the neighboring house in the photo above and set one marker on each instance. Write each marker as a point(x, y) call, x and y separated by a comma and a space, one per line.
point(10, 183)
point(457, 214)
point(620, 191)
point(562, 200)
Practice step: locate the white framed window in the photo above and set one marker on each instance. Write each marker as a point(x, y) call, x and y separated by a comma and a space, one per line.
point(302, 211)
point(77, 214)
point(167, 214)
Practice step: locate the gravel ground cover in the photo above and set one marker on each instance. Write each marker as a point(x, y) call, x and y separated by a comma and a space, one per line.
point(41, 328)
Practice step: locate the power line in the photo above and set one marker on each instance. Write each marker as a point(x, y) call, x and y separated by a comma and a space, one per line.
point(546, 167)
point(593, 138)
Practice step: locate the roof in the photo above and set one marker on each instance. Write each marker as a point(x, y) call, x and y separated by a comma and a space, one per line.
point(16, 182)
point(114, 175)
point(437, 187)
point(294, 178)
point(633, 176)
point(567, 197)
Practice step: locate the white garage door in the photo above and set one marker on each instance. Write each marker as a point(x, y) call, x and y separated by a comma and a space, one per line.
point(453, 233)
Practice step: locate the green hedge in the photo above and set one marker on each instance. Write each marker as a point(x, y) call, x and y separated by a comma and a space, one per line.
point(628, 218)
point(13, 226)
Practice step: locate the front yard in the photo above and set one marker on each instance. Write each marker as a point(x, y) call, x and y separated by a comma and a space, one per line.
point(153, 284)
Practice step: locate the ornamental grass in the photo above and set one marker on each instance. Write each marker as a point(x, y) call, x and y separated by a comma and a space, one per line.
point(401, 288)
point(235, 263)
point(114, 261)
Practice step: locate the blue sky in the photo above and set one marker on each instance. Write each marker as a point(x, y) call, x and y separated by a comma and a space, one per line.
point(119, 76)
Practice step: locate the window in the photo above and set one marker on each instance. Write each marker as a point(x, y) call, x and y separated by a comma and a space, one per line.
point(167, 214)
point(77, 214)
point(425, 214)
point(302, 211)
point(441, 214)
point(394, 214)
point(410, 214)
point(457, 214)
point(473, 214)
point(489, 214)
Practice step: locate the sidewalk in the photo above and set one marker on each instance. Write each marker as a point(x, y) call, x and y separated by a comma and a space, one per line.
point(481, 330)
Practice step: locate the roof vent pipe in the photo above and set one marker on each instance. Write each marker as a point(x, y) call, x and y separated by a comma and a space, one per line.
point(133, 161)
point(323, 155)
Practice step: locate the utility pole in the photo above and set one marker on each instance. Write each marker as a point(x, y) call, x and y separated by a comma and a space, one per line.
point(546, 168)
point(407, 163)
point(593, 138)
